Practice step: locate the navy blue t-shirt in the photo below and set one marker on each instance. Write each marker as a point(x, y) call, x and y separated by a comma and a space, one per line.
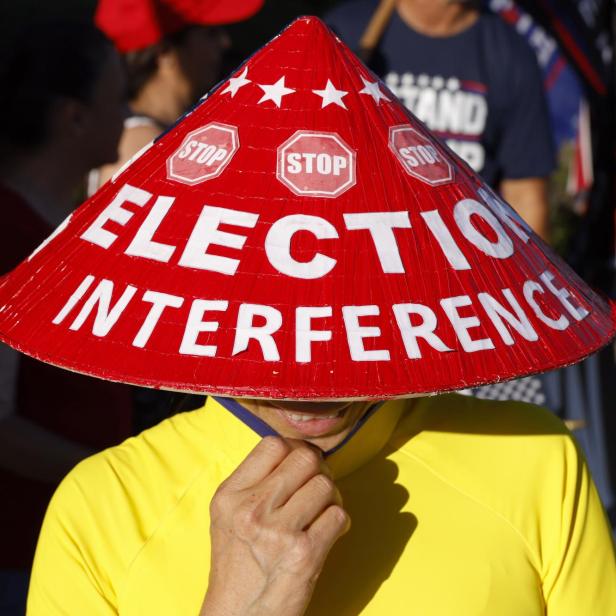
point(480, 90)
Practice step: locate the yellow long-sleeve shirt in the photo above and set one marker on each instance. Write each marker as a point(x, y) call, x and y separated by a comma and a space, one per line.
point(458, 507)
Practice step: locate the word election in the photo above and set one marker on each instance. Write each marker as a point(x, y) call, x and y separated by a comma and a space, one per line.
point(206, 232)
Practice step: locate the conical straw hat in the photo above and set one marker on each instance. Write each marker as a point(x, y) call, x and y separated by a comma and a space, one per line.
point(300, 235)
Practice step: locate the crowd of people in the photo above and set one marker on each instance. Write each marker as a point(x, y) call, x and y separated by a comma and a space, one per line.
point(82, 97)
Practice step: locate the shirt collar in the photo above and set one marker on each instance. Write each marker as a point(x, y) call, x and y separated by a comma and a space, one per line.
point(242, 431)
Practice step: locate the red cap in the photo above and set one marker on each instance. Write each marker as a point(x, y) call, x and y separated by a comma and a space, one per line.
point(136, 24)
point(300, 235)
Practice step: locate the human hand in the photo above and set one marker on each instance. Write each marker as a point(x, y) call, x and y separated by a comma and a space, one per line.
point(273, 522)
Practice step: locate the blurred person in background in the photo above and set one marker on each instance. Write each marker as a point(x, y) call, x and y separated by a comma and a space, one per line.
point(473, 81)
point(173, 52)
point(62, 104)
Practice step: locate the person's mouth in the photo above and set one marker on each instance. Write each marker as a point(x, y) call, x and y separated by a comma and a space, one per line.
point(314, 423)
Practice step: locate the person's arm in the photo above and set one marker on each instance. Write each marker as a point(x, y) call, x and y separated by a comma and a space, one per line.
point(26, 448)
point(528, 197)
point(273, 523)
point(579, 575)
point(70, 575)
point(525, 152)
point(133, 139)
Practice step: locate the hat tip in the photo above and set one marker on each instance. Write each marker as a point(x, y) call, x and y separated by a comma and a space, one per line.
point(309, 20)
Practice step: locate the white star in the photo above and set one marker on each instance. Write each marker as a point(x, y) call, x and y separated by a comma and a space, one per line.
point(330, 95)
point(275, 92)
point(235, 83)
point(372, 89)
point(438, 82)
point(423, 81)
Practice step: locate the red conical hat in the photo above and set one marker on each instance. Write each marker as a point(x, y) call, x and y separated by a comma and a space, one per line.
point(299, 235)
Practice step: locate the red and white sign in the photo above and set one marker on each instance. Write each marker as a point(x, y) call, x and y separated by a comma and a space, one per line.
point(204, 154)
point(316, 164)
point(419, 156)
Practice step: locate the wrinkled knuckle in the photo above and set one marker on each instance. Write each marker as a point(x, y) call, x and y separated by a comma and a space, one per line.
point(223, 489)
point(308, 458)
point(274, 445)
point(324, 484)
point(340, 517)
point(219, 503)
point(229, 488)
point(246, 520)
point(216, 508)
point(302, 550)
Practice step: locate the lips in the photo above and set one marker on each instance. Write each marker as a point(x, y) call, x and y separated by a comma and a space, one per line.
point(312, 416)
point(312, 424)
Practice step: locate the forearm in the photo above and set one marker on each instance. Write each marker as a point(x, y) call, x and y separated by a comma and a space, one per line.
point(528, 196)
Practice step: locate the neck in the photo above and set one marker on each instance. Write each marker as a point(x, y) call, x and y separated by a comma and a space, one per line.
point(159, 101)
point(43, 181)
point(437, 17)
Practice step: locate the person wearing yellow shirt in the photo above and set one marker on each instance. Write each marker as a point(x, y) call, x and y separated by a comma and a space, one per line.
point(457, 506)
point(299, 492)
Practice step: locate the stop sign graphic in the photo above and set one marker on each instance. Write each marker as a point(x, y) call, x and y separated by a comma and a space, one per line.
point(316, 164)
point(204, 154)
point(418, 156)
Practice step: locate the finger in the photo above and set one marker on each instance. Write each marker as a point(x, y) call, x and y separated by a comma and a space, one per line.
point(309, 502)
point(326, 529)
point(295, 443)
point(259, 463)
point(301, 465)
